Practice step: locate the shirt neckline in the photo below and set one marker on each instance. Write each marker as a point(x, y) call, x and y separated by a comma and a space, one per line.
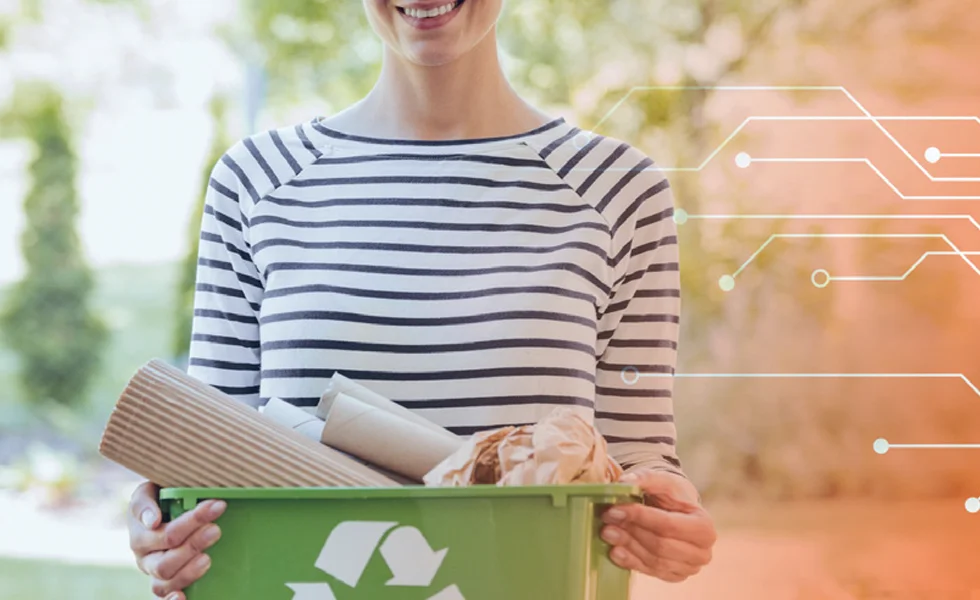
point(321, 135)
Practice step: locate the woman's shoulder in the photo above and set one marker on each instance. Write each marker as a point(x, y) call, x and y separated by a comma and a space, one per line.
point(609, 173)
point(264, 161)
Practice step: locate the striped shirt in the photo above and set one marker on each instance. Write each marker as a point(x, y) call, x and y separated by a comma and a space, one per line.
point(480, 283)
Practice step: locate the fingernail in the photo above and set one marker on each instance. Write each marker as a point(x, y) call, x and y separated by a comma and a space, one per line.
point(218, 508)
point(172, 596)
point(615, 515)
point(203, 561)
point(630, 478)
point(611, 535)
point(211, 534)
point(619, 555)
point(147, 517)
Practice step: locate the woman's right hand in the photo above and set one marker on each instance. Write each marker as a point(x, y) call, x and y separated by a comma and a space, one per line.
point(171, 553)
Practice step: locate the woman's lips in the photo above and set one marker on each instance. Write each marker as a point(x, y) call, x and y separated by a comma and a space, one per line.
point(444, 13)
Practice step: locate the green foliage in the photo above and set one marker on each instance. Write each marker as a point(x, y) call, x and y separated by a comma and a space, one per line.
point(184, 305)
point(46, 319)
point(6, 30)
point(313, 47)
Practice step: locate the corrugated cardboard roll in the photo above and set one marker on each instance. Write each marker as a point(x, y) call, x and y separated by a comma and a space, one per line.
point(384, 439)
point(178, 432)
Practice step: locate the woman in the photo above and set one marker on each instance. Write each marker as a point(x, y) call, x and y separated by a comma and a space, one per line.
point(458, 251)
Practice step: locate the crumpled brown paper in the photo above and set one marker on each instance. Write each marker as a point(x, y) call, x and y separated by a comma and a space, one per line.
point(563, 448)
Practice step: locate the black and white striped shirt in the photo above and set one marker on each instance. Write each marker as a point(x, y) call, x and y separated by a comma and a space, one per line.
point(480, 283)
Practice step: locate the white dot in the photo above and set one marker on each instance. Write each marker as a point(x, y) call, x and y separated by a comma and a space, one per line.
point(881, 445)
point(933, 154)
point(743, 160)
point(680, 216)
point(973, 505)
point(726, 283)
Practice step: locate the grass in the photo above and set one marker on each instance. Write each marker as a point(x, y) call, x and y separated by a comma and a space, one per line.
point(42, 580)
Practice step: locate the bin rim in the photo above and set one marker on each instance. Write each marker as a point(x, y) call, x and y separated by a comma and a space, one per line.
point(612, 492)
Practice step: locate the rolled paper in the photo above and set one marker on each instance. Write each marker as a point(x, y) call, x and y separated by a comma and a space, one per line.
point(300, 420)
point(339, 384)
point(179, 432)
point(384, 439)
point(295, 418)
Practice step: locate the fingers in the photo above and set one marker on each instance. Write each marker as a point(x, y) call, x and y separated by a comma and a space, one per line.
point(181, 529)
point(629, 553)
point(695, 527)
point(187, 575)
point(175, 533)
point(658, 547)
point(166, 566)
point(671, 546)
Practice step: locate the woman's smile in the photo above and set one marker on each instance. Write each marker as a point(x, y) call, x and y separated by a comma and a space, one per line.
point(429, 15)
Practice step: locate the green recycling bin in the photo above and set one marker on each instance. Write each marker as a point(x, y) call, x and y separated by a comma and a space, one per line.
point(410, 543)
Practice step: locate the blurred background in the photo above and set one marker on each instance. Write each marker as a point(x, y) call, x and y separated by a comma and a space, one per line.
point(826, 161)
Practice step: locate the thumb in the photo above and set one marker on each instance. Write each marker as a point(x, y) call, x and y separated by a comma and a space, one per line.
point(666, 490)
point(145, 506)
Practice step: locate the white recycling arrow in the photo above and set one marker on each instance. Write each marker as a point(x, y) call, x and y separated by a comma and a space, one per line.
point(313, 591)
point(349, 548)
point(411, 560)
point(450, 593)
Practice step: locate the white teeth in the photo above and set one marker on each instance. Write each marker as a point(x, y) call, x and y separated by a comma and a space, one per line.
point(416, 13)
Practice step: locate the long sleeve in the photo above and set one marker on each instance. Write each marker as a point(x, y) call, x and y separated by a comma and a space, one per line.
point(639, 327)
point(225, 346)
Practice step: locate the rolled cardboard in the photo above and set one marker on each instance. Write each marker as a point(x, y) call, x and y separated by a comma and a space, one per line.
point(339, 384)
point(383, 438)
point(295, 418)
point(300, 420)
point(179, 432)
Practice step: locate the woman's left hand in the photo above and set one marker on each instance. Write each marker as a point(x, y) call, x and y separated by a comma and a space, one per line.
point(670, 542)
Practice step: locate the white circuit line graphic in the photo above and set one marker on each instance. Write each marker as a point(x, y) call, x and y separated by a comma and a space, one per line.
point(631, 375)
point(744, 160)
point(821, 278)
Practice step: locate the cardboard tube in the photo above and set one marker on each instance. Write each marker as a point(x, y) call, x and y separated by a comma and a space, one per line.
point(340, 384)
point(295, 418)
point(178, 432)
point(384, 439)
point(300, 420)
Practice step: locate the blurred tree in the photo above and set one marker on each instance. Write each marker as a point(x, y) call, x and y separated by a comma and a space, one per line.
point(47, 321)
point(184, 305)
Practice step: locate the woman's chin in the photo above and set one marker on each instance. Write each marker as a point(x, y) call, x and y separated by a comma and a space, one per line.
point(432, 55)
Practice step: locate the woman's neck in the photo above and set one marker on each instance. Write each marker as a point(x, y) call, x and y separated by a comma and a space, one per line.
point(465, 99)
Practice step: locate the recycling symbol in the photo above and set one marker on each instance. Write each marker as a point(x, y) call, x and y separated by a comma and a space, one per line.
point(350, 546)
